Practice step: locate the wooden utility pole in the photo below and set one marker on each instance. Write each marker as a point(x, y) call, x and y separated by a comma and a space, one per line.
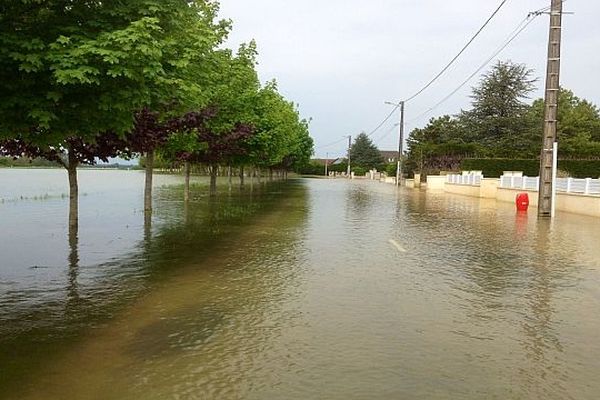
point(545, 199)
point(400, 146)
point(326, 162)
point(349, 145)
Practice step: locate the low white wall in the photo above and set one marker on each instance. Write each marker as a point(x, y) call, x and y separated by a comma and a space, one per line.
point(489, 189)
point(566, 202)
point(464, 190)
point(436, 182)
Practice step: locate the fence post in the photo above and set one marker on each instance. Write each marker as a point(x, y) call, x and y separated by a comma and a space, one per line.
point(569, 182)
point(588, 183)
point(524, 186)
point(512, 182)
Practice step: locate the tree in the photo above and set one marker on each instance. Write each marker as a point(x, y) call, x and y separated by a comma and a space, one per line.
point(74, 74)
point(440, 145)
point(217, 133)
point(281, 140)
point(364, 154)
point(578, 126)
point(499, 108)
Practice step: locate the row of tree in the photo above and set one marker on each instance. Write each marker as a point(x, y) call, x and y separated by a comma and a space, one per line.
point(503, 124)
point(82, 81)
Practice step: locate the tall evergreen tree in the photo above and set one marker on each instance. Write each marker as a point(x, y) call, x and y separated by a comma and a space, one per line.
point(499, 108)
point(364, 154)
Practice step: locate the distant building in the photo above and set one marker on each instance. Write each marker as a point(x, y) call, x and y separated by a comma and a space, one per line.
point(389, 156)
point(322, 161)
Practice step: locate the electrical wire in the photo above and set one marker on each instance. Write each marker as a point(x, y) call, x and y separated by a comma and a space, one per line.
point(431, 82)
point(392, 128)
point(502, 3)
point(386, 119)
point(331, 144)
point(513, 35)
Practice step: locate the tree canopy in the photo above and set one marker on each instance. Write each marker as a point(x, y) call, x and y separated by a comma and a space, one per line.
point(503, 124)
point(89, 80)
point(364, 153)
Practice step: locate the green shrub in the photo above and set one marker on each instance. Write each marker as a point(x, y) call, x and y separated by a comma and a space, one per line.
point(313, 168)
point(493, 167)
point(580, 168)
point(390, 169)
point(341, 167)
point(360, 171)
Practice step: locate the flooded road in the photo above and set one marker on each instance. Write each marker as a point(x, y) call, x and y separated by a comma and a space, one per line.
point(300, 290)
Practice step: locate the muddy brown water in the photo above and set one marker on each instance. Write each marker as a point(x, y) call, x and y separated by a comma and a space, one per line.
point(304, 290)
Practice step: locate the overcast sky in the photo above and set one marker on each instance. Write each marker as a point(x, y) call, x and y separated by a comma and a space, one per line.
point(341, 59)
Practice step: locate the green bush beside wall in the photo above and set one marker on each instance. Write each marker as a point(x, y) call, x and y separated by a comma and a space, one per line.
point(493, 167)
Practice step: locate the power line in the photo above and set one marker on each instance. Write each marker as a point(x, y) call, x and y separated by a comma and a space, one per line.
point(513, 35)
point(332, 144)
point(386, 134)
point(502, 3)
point(386, 119)
point(533, 14)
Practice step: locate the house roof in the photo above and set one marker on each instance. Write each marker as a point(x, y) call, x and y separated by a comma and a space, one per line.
point(387, 154)
point(322, 161)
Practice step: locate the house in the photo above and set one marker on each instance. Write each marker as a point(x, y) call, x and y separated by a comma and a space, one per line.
point(322, 161)
point(389, 156)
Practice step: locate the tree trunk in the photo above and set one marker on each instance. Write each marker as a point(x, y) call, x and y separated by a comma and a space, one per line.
point(213, 180)
point(252, 179)
point(186, 189)
point(242, 176)
point(258, 175)
point(73, 194)
point(149, 176)
point(271, 174)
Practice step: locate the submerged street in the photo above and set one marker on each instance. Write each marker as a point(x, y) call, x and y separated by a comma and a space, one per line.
point(303, 289)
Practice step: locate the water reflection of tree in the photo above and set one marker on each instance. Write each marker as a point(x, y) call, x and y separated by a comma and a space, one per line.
point(179, 238)
point(358, 204)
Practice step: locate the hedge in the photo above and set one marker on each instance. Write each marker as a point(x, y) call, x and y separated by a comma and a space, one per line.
point(493, 167)
point(313, 168)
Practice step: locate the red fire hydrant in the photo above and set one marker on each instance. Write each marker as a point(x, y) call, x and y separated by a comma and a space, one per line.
point(522, 202)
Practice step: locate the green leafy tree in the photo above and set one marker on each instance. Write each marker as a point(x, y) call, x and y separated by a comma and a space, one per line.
point(282, 140)
point(364, 153)
point(440, 145)
point(578, 126)
point(234, 86)
point(73, 74)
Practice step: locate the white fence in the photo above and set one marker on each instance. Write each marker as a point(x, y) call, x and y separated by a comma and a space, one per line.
point(566, 185)
point(469, 179)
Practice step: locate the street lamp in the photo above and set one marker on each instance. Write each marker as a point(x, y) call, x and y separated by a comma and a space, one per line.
point(400, 140)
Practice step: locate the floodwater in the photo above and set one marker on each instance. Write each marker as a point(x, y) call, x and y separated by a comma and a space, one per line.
point(301, 290)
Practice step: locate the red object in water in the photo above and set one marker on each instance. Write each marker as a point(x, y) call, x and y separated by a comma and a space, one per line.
point(522, 202)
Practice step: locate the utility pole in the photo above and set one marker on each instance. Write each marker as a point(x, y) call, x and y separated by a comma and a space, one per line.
point(349, 145)
point(400, 146)
point(400, 142)
point(326, 162)
point(545, 200)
